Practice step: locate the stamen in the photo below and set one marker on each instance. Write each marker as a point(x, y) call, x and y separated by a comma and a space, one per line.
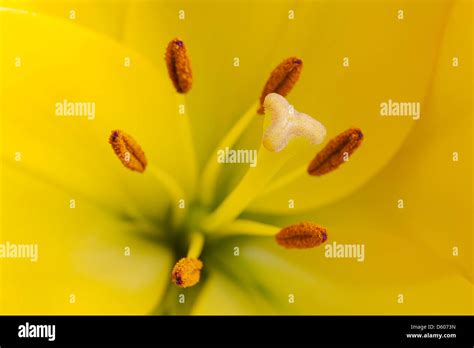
point(282, 79)
point(180, 73)
point(128, 151)
point(303, 235)
point(248, 228)
point(336, 152)
point(287, 123)
point(183, 126)
point(179, 66)
point(196, 244)
point(186, 272)
point(133, 157)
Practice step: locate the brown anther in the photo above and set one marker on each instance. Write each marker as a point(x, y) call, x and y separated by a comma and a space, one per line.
point(336, 152)
point(302, 235)
point(179, 66)
point(128, 151)
point(282, 79)
point(186, 272)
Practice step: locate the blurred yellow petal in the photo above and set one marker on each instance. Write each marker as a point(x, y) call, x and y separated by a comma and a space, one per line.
point(59, 61)
point(438, 156)
point(81, 252)
point(102, 16)
point(221, 296)
point(305, 282)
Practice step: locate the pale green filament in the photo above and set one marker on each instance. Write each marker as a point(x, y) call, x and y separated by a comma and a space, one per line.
point(174, 190)
point(256, 178)
point(184, 127)
point(248, 228)
point(212, 169)
point(254, 182)
point(196, 245)
point(285, 180)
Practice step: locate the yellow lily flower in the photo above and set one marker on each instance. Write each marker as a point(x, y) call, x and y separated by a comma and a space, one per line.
point(183, 234)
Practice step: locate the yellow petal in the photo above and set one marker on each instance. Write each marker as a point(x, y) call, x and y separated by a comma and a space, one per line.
point(82, 66)
point(83, 266)
point(381, 67)
point(221, 296)
point(424, 249)
point(305, 282)
point(101, 16)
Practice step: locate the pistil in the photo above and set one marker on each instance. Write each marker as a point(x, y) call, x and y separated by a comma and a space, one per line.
point(269, 162)
point(282, 80)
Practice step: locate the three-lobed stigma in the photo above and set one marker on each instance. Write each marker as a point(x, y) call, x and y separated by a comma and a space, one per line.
point(287, 123)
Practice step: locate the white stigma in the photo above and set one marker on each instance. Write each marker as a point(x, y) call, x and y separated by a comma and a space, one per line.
point(287, 123)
